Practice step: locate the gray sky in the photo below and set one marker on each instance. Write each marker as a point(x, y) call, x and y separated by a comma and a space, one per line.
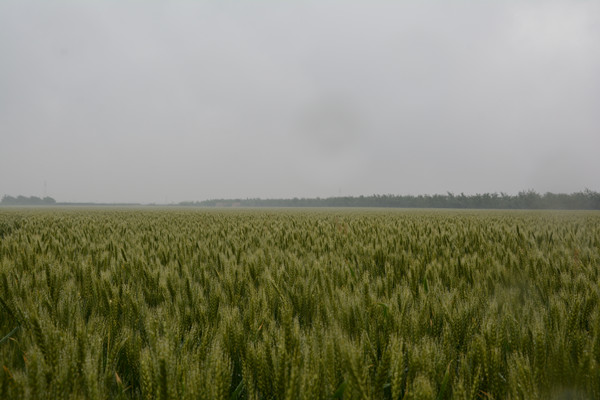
point(137, 101)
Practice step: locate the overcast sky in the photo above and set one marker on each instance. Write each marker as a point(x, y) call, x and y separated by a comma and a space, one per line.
point(148, 101)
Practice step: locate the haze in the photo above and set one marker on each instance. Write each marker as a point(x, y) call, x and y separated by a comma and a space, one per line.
point(135, 101)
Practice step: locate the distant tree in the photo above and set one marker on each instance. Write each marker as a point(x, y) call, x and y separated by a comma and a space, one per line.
point(8, 200)
point(26, 201)
point(529, 199)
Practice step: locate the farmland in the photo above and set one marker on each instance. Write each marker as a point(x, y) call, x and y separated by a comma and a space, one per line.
point(299, 304)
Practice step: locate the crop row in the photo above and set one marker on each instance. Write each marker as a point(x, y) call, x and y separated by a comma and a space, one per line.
point(169, 304)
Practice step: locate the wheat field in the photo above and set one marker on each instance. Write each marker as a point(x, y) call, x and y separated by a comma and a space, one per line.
point(298, 304)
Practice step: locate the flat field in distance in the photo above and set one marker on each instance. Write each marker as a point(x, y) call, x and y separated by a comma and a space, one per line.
point(299, 304)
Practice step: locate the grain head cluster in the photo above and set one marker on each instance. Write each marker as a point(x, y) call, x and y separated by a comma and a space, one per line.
point(292, 304)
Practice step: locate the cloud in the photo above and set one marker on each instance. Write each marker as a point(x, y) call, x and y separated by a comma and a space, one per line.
point(137, 101)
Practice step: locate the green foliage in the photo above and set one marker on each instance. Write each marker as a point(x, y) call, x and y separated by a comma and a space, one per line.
point(159, 304)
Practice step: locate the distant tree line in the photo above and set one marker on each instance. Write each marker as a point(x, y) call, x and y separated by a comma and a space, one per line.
point(585, 200)
point(26, 201)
